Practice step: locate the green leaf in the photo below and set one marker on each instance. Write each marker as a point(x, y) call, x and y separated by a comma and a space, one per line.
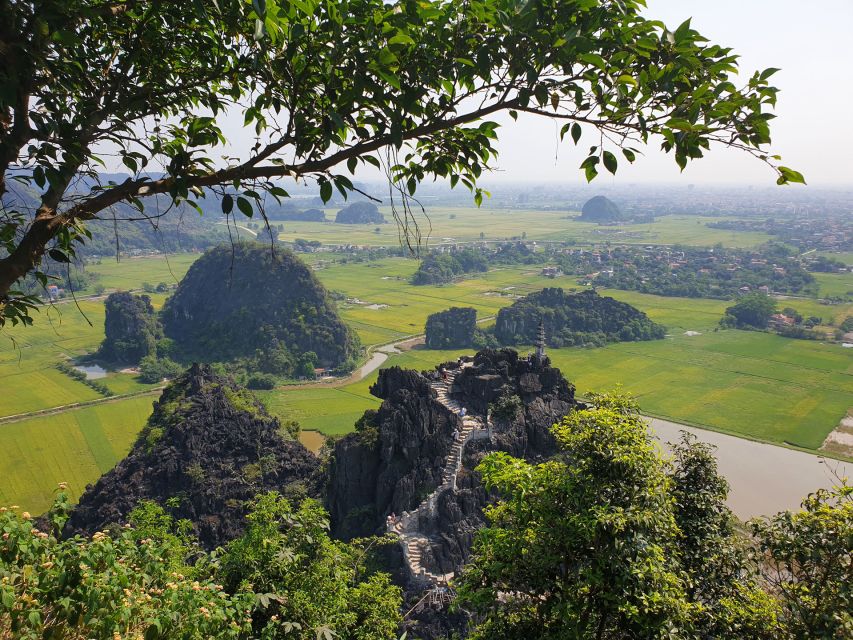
point(789, 176)
point(227, 204)
point(589, 167)
point(59, 256)
point(325, 191)
point(576, 132)
point(630, 156)
point(610, 162)
point(245, 207)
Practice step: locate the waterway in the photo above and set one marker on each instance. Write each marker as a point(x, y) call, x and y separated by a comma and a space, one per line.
point(764, 478)
point(92, 371)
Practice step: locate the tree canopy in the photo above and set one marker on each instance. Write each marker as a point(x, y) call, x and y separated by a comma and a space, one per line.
point(323, 87)
point(609, 540)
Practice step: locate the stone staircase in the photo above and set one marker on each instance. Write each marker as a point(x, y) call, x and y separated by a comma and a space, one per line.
point(407, 527)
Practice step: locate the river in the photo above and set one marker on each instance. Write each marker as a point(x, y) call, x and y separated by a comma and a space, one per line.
point(764, 478)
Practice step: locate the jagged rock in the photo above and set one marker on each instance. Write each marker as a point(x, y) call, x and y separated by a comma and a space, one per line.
point(208, 448)
point(396, 458)
point(392, 462)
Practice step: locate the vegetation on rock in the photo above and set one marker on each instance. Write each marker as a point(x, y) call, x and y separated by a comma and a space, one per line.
point(248, 302)
point(451, 329)
point(208, 448)
point(580, 319)
point(131, 328)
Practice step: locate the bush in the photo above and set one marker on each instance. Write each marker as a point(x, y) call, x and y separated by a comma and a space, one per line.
point(153, 369)
point(506, 407)
point(261, 381)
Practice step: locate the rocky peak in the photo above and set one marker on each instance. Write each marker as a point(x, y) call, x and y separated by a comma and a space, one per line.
point(208, 448)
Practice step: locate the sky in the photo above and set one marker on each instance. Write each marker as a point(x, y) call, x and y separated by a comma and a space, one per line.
point(812, 44)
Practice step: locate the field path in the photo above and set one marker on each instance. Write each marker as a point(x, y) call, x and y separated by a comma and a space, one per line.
point(78, 405)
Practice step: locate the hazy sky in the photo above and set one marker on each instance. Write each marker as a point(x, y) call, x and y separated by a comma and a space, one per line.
point(813, 132)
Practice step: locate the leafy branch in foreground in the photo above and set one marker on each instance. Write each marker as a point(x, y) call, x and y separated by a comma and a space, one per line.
point(324, 87)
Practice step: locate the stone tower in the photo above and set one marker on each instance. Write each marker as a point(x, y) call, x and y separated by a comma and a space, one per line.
point(540, 342)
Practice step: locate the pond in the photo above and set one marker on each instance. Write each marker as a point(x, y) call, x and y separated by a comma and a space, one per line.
point(92, 371)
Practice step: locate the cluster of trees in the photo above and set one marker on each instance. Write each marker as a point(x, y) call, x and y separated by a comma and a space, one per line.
point(692, 272)
point(442, 268)
point(283, 578)
point(580, 319)
point(610, 540)
point(755, 312)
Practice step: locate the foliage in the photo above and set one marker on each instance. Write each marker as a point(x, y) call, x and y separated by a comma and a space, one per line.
point(153, 369)
point(442, 268)
point(131, 328)
point(149, 82)
point(262, 381)
point(451, 329)
point(583, 319)
point(596, 543)
point(359, 213)
point(806, 559)
point(284, 578)
point(307, 585)
point(114, 583)
point(250, 302)
point(506, 407)
point(750, 312)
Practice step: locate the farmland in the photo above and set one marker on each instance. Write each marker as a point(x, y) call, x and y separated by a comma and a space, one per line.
point(73, 446)
point(752, 384)
point(466, 225)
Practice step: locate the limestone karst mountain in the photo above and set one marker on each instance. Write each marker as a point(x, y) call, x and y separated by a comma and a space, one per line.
point(208, 449)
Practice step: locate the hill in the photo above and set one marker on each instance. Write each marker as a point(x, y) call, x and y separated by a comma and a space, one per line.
point(247, 302)
point(581, 319)
point(360, 213)
point(452, 328)
point(600, 209)
point(131, 328)
point(208, 449)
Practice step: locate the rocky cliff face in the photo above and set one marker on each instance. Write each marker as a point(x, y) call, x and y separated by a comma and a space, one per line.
point(208, 448)
point(395, 458)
